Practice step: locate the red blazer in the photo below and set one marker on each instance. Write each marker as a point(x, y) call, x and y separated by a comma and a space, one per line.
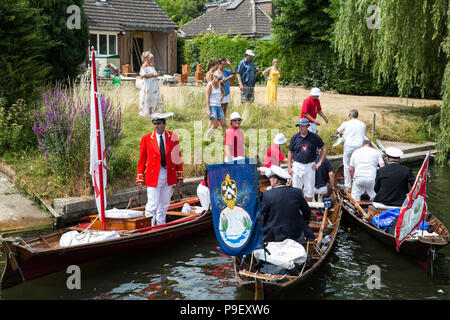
point(150, 160)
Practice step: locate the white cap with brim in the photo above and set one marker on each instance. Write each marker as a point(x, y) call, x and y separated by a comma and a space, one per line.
point(393, 152)
point(315, 92)
point(250, 53)
point(280, 172)
point(235, 115)
point(158, 116)
point(279, 139)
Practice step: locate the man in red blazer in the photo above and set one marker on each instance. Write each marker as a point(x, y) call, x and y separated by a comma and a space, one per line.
point(159, 168)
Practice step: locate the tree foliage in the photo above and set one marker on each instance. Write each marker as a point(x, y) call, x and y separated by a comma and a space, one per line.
point(405, 42)
point(72, 47)
point(182, 11)
point(22, 47)
point(301, 22)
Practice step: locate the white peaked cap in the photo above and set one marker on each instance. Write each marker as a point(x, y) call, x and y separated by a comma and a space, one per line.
point(250, 52)
point(315, 92)
point(157, 116)
point(280, 172)
point(235, 115)
point(279, 139)
point(393, 152)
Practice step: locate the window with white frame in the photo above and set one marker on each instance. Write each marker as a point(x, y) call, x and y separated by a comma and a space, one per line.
point(104, 43)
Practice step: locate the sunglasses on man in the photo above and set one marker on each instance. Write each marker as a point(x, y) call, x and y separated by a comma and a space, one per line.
point(237, 120)
point(158, 121)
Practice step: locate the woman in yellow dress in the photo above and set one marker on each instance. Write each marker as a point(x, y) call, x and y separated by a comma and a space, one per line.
point(272, 82)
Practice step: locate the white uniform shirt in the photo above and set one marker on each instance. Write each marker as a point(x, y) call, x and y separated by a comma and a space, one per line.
point(354, 131)
point(365, 161)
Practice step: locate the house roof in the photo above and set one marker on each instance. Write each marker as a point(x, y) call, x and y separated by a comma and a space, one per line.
point(236, 17)
point(118, 15)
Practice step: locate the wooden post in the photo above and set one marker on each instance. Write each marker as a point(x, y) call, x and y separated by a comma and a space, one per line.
point(373, 126)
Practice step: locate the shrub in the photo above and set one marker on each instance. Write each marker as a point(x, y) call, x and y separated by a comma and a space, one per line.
point(62, 128)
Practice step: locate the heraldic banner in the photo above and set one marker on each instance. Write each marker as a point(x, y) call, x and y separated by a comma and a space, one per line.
point(235, 206)
point(414, 207)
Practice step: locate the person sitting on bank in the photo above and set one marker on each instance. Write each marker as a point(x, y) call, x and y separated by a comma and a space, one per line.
point(274, 155)
point(286, 213)
point(392, 182)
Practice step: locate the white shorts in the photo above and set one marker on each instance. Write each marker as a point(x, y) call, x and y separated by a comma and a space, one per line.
point(226, 99)
point(304, 178)
point(322, 190)
point(361, 185)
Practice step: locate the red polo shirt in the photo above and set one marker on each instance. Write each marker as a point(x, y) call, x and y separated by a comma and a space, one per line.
point(311, 107)
point(273, 156)
point(235, 138)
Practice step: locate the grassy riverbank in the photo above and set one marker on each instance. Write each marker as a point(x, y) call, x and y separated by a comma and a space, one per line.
point(190, 122)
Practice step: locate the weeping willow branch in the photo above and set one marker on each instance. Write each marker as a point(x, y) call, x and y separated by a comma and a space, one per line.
point(403, 40)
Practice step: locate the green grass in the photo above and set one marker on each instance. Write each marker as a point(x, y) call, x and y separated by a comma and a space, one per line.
point(260, 123)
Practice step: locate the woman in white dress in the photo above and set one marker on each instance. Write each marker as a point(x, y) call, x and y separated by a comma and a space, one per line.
point(150, 98)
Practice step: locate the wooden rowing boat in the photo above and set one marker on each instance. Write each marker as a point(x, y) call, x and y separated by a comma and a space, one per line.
point(38, 256)
point(362, 212)
point(268, 285)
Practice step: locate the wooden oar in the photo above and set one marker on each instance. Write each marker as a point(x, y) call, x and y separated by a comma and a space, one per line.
point(259, 291)
point(357, 206)
point(322, 227)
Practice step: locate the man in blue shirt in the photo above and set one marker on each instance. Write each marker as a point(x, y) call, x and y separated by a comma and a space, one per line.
point(301, 158)
point(246, 77)
point(227, 76)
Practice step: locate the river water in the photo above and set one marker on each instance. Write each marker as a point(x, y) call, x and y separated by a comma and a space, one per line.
point(194, 269)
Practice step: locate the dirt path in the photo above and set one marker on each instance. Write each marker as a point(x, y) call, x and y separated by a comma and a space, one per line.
point(332, 103)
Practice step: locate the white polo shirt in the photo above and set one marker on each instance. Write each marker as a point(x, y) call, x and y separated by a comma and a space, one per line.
point(354, 131)
point(365, 161)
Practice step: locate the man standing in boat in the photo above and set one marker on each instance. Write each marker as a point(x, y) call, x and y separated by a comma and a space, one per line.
point(159, 168)
point(302, 163)
point(285, 212)
point(354, 132)
point(393, 180)
point(363, 170)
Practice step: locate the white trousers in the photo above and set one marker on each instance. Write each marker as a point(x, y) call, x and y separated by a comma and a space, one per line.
point(304, 178)
point(348, 151)
point(361, 185)
point(158, 199)
point(204, 196)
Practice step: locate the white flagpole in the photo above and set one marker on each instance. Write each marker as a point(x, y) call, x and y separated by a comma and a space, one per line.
point(100, 159)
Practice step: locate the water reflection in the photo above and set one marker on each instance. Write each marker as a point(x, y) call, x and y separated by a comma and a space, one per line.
point(195, 269)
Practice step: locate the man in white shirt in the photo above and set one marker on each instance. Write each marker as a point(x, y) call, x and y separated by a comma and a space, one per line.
point(363, 170)
point(353, 131)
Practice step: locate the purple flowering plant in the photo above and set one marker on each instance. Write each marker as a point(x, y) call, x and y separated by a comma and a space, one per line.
point(62, 128)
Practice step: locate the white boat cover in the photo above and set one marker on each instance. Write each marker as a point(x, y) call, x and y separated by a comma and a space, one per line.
point(123, 214)
point(72, 238)
point(283, 254)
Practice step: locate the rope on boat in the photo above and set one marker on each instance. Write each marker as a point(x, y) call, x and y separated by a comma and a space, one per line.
point(307, 245)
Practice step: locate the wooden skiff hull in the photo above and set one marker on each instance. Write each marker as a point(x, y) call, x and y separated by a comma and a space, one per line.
point(418, 249)
point(414, 248)
point(272, 288)
point(24, 264)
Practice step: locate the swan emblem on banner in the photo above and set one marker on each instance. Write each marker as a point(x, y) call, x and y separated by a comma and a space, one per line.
point(235, 223)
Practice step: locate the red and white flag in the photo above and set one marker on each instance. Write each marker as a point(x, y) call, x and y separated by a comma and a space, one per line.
point(97, 151)
point(414, 207)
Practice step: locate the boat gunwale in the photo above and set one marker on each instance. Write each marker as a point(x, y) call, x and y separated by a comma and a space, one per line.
point(276, 285)
point(131, 236)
